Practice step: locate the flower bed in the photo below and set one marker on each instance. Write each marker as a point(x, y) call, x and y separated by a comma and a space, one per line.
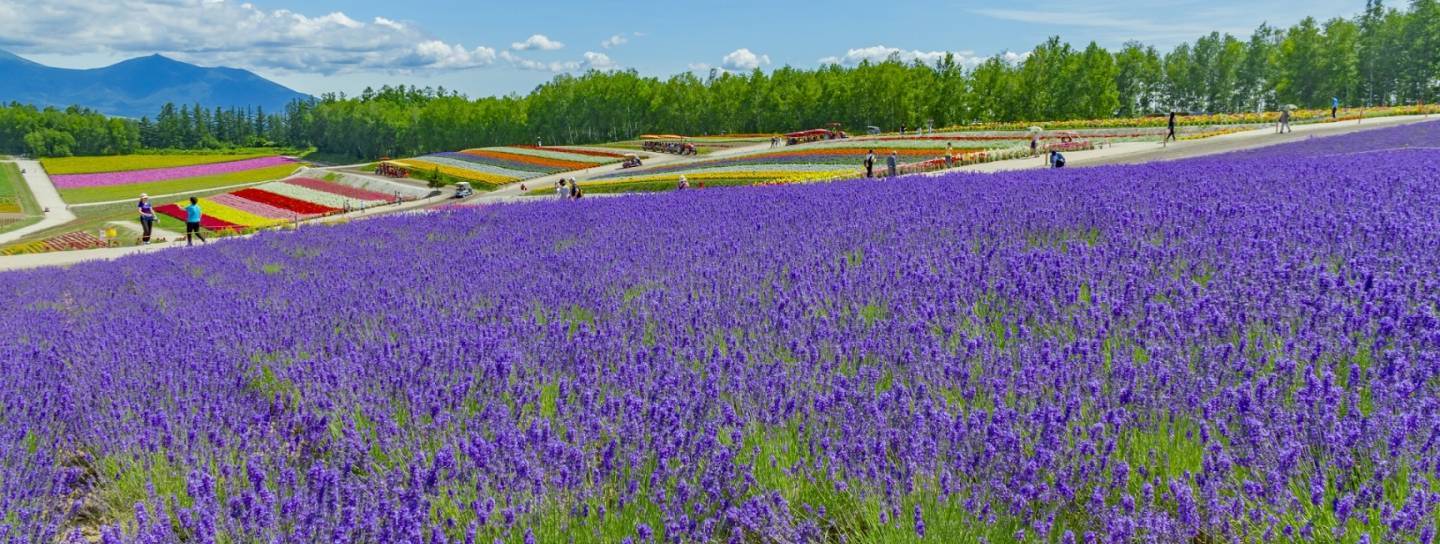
point(321, 197)
point(74, 181)
point(65, 242)
point(252, 207)
point(501, 165)
point(124, 163)
point(287, 204)
point(342, 190)
point(208, 221)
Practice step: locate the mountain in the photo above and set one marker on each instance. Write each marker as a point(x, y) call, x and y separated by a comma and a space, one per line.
point(137, 87)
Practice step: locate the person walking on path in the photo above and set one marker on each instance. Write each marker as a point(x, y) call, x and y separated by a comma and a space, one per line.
point(890, 163)
point(147, 218)
point(1334, 107)
point(192, 222)
point(1170, 135)
point(870, 164)
point(1034, 143)
point(949, 154)
point(1284, 122)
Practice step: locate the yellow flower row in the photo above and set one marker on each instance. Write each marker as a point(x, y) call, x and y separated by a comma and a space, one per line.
point(232, 215)
point(750, 174)
point(417, 166)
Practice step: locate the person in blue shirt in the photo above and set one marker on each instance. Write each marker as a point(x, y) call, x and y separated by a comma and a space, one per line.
point(1334, 106)
point(1056, 159)
point(192, 221)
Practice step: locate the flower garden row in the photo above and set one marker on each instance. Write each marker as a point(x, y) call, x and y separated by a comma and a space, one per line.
point(278, 202)
point(830, 160)
point(495, 166)
point(1240, 348)
point(126, 182)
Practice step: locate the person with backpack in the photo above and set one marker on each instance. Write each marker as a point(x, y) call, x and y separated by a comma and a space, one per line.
point(192, 222)
point(1056, 159)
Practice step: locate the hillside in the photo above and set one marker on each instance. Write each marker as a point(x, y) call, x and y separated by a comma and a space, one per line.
point(137, 87)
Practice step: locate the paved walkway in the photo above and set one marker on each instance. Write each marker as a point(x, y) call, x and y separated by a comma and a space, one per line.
point(47, 196)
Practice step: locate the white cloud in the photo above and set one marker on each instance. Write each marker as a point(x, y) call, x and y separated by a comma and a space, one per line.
point(744, 59)
point(598, 61)
point(614, 41)
point(537, 41)
point(230, 33)
point(590, 61)
point(881, 53)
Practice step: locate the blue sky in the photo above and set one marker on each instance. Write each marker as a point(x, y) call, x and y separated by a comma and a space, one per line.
point(484, 48)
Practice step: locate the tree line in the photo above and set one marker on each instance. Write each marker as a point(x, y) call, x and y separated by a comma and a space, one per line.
point(1383, 56)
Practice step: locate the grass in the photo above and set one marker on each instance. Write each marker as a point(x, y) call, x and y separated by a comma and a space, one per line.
point(158, 189)
point(127, 163)
point(18, 208)
point(15, 194)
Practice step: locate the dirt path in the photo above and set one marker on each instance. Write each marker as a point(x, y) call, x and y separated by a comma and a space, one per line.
point(47, 196)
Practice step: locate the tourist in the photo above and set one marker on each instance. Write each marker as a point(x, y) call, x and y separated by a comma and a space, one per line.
point(1056, 159)
point(949, 154)
point(870, 164)
point(575, 192)
point(192, 221)
point(890, 163)
point(1334, 106)
point(1285, 121)
point(684, 183)
point(1171, 134)
point(147, 218)
point(1034, 143)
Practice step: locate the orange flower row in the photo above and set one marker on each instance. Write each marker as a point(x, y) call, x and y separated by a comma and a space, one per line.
point(530, 159)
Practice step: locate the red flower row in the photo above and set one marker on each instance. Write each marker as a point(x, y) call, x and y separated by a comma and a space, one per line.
point(574, 151)
point(281, 201)
point(338, 189)
point(206, 222)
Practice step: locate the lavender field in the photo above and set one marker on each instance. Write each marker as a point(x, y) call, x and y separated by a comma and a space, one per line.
point(1243, 348)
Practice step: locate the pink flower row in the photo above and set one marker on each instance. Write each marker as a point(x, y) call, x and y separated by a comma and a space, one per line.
point(72, 181)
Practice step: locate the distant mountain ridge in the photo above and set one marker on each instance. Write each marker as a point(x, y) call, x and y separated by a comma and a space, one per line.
point(137, 87)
